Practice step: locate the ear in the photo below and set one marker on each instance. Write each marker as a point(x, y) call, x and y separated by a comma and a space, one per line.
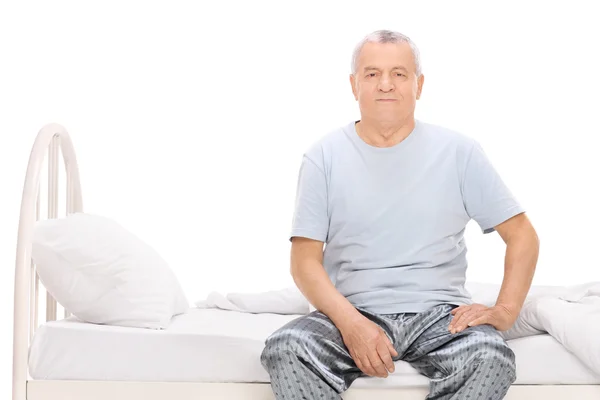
point(353, 84)
point(420, 85)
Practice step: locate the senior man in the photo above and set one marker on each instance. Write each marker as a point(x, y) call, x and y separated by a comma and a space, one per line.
point(390, 196)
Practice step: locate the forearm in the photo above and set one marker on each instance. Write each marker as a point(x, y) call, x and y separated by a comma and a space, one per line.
point(313, 282)
point(519, 266)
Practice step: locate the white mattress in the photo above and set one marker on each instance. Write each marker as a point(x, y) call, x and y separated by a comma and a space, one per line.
point(211, 345)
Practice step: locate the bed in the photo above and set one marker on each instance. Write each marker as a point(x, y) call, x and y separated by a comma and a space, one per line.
point(204, 353)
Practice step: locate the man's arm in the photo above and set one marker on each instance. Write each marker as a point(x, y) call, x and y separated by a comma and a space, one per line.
point(522, 249)
point(489, 201)
point(367, 343)
point(309, 232)
point(309, 275)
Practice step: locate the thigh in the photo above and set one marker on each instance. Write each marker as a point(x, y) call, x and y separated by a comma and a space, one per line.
point(318, 344)
point(437, 353)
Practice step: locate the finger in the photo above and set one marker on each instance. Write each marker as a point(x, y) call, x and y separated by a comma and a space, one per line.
point(359, 364)
point(467, 321)
point(388, 343)
point(463, 321)
point(391, 348)
point(358, 360)
point(484, 319)
point(457, 309)
point(464, 317)
point(367, 367)
point(459, 313)
point(377, 364)
point(384, 353)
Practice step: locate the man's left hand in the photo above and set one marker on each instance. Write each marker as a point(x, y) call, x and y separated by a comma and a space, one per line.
point(499, 316)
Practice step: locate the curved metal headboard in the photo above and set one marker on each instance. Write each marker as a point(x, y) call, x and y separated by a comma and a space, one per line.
point(50, 138)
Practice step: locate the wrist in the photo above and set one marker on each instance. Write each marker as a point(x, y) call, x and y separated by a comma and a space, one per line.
point(347, 317)
point(510, 308)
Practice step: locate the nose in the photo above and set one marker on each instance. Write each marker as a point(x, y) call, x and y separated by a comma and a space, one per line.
point(385, 85)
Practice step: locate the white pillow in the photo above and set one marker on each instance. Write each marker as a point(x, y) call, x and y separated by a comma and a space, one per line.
point(103, 274)
point(284, 301)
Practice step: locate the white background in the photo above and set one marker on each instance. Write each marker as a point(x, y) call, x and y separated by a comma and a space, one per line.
point(190, 121)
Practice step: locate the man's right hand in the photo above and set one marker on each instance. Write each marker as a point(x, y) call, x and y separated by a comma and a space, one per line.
point(369, 346)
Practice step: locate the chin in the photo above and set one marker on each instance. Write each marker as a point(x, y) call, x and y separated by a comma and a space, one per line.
point(389, 116)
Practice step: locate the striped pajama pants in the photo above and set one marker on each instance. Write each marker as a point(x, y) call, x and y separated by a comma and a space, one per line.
point(307, 358)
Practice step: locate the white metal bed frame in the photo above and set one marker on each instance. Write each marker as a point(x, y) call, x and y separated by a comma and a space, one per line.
point(52, 138)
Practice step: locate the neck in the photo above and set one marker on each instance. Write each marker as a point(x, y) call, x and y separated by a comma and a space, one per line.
point(384, 133)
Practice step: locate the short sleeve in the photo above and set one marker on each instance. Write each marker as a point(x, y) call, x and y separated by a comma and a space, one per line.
point(486, 197)
point(310, 219)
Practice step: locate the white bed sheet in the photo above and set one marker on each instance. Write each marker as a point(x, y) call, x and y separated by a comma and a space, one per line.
point(213, 345)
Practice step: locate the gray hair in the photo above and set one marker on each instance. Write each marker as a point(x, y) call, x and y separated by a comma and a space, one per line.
point(386, 36)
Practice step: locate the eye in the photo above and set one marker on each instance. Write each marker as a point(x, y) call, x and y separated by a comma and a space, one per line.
point(371, 74)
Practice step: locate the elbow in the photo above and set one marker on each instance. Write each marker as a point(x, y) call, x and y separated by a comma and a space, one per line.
point(534, 239)
point(294, 267)
point(293, 271)
point(532, 245)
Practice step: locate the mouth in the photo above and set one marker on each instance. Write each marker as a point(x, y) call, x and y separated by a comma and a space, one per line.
point(386, 100)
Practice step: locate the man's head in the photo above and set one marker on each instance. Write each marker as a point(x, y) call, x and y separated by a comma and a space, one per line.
point(386, 65)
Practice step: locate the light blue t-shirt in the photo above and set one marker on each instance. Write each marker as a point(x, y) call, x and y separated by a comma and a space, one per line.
point(393, 218)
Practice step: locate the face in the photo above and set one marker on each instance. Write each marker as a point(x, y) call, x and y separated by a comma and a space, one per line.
point(385, 85)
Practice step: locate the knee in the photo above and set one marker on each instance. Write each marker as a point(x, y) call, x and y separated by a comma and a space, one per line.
point(493, 352)
point(278, 346)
